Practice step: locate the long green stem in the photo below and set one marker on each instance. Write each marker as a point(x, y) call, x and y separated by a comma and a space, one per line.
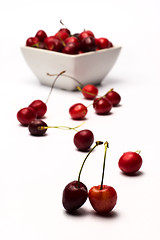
point(54, 84)
point(106, 146)
point(61, 127)
point(97, 144)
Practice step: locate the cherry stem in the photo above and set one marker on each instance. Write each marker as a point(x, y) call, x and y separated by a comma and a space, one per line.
point(80, 89)
point(65, 75)
point(97, 144)
point(138, 151)
point(61, 127)
point(106, 146)
point(110, 90)
point(57, 76)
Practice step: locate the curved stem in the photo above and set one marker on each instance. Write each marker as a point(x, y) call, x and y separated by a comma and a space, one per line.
point(61, 127)
point(106, 146)
point(54, 84)
point(138, 151)
point(97, 144)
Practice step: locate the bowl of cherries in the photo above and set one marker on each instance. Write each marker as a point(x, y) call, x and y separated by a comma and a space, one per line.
point(85, 58)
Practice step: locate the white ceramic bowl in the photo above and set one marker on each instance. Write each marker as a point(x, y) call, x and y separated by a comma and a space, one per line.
point(87, 68)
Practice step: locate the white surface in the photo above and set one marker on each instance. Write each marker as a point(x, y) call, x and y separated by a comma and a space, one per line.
point(34, 171)
point(87, 68)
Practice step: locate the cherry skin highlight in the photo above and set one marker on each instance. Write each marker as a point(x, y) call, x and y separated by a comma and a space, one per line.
point(102, 106)
point(26, 115)
point(36, 127)
point(89, 91)
point(113, 97)
point(74, 196)
point(83, 139)
point(130, 162)
point(102, 200)
point(78, 111)
point(39, 107)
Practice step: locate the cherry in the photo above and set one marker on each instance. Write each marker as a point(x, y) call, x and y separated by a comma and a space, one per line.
point(88, 44)
point(113, 97)
point(102, 105)
point(73, 40)
point(85, 34)
point(130, 162)
point(89, 91)
point(26, 115)
point(37, 127)
point(41, 35)
point(103, 43)
point(103, 198)
point(32, 42)
point(83, 139)
point(53, 44)
point(62, 34)
point(39, 107)
point(78, 111)
point(70, 48)
point(75, 193)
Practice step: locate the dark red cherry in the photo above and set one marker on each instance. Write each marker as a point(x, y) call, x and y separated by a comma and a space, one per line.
point(37, 127)
point(41, 35)
point(39, 107)
point(113, 97)
point(32, 42)
point(102, 105)
point(70, 48)
point(73, 40)
point(53, 44)
point(83, 139)
point(74, 196)
point(88, 44)
point(78, 111)
point(85, 34)
point(26, 115)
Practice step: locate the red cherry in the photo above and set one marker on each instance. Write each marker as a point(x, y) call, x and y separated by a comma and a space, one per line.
point(113, 97)
point(83, 139)
point(102, 105)
point(26, 115)
point(32, 42)
point(53, 44)
point(102, 200)
point(37, 127)
point(70, 48)
point(88, 44)
point(103, 43)
point(84, 34)
point(39, 107)
point(89, 91)
point(41, 35)
point(62, 34)
point(73, 40)
point(130, 162)
point(78, 111)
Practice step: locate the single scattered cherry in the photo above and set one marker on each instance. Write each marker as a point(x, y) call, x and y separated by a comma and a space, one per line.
point(130, 162)
point(37, 127)
point(102, 106)
point(75, 193)
point(26, 115)
point(89, 91)
point(83, 139)
point(103, 198)
point(78, 111)
point(113, 97)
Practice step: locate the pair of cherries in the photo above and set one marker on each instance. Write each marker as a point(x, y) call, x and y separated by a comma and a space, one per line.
point(102, 105)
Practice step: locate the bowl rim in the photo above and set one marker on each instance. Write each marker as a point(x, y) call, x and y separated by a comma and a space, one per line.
point(73, 55)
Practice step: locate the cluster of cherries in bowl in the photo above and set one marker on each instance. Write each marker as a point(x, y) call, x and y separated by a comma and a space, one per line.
point(65, 42)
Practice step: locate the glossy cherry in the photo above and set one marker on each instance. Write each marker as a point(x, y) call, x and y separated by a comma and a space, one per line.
point(32, 42)
point(88, 44)
point(74, 40)
point(113, 97)
point(103, 198)
point(70, 48)
point(89, 91)
point(26, 115)
point(39, 107)
point(78, 111)
point(53, 44)
point(41, 35)
point(103, 43)
point(130, 162)
point(62, 34)
point(83, 139)
point(102, 106)
point(37, 127)
point(75, 193)
point(85, 34)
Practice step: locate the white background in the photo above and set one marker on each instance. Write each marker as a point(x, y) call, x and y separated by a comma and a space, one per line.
point(34, 171)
